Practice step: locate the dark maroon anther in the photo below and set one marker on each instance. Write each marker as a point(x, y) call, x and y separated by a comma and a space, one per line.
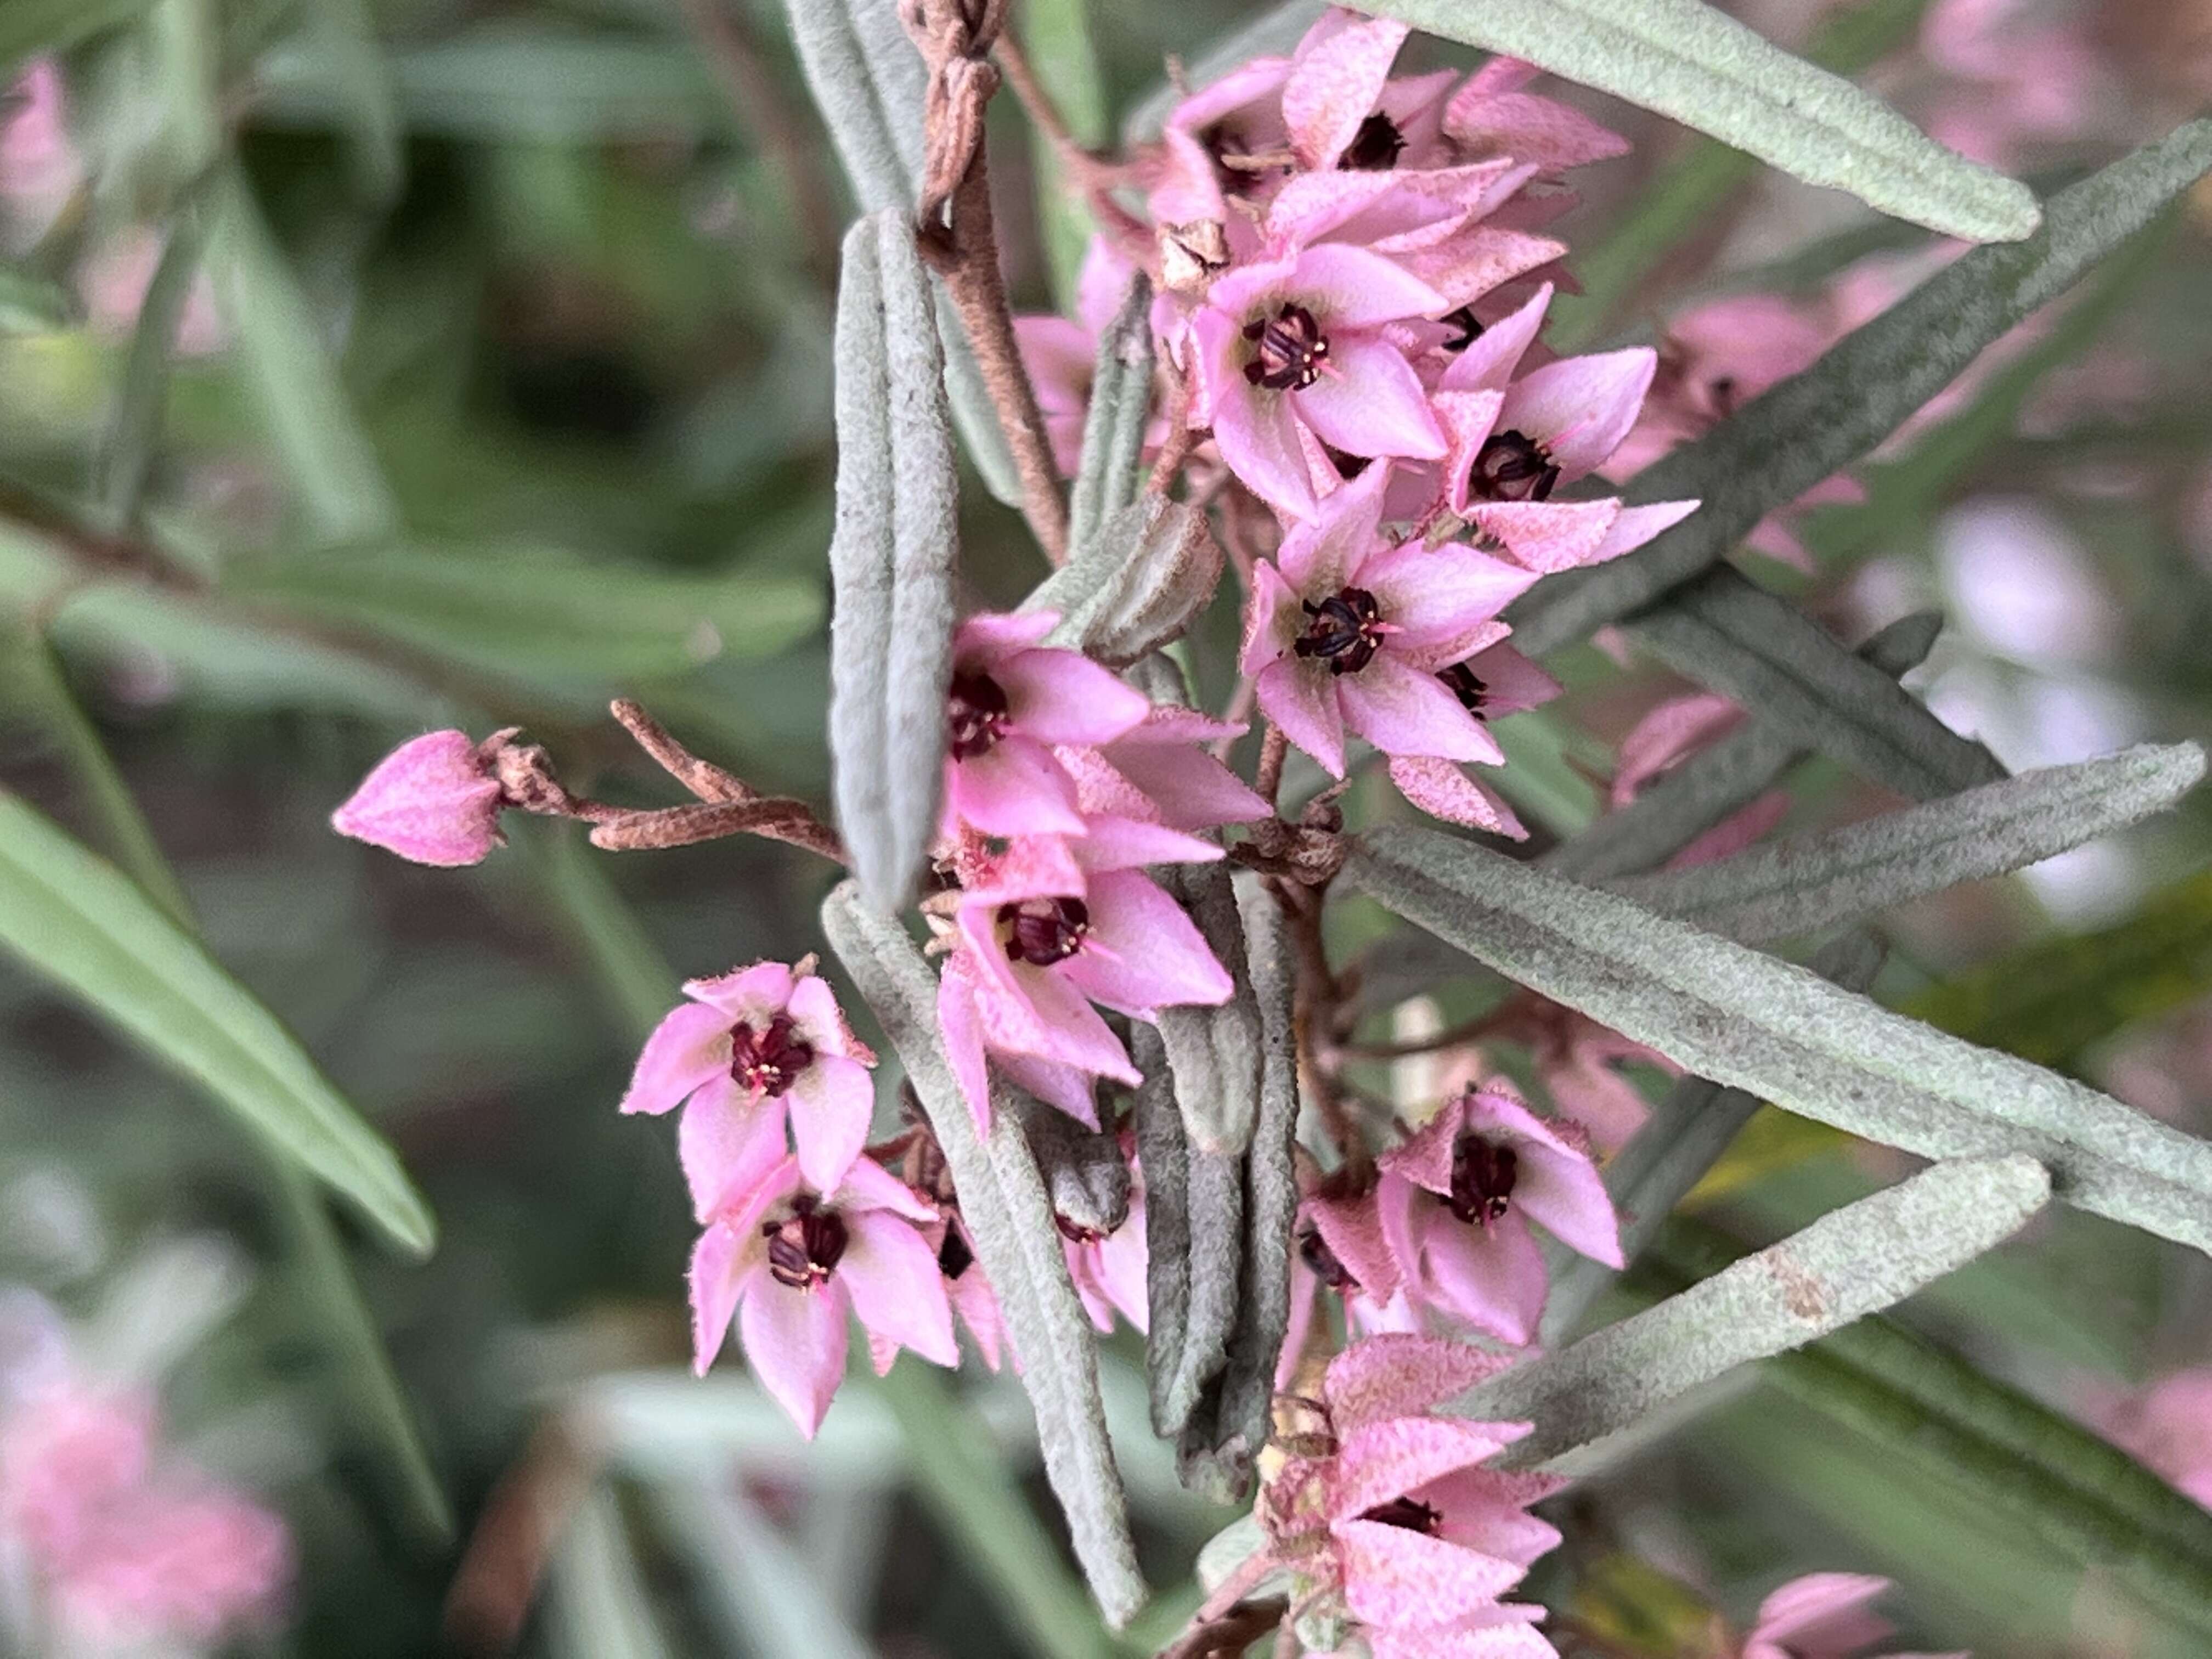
point(976, 710)
point(1460, 681)
point(1512, 467)
point(1348, 466)
point(1375, 147)
point(1291, 351)
point(1406, 1512)
point(769, 1062)
point(1464, 320)
point(954, 1257)
point(1481, 1180)
point(1074, 1232)
point(1043, 931)
point(1313, 1251)
point(804, 1250)
point(1344, 632)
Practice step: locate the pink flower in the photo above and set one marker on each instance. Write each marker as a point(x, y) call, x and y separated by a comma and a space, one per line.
point(790, 1262)
point(1457, 1201)
point(1301, 342)
point(1492, 115)
point(2169, 1427)
point(1489, 685)
point(968, 1288)
point(1348, 629)
point(1514, 441)
point(1823, 1615)
point(1010, 701)
point(1341, 1248)
point(1040, 937)
point(1573, 1057)
point(1156, 773)
point(1670, 733)
point(1384, 1511)
point(40, 167)
point(1109, 1267)
point(750, 1050)
point(435, 800)
point(66, 1455)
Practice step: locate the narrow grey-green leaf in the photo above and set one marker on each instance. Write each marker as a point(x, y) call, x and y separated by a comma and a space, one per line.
point(1215, 1054)
point(1777, 1030)
point(1691, 1127)
point(1136, 585)
point(869, 82)
point(1164, 1151)
point(1788, 439)
point(1009, 1215)
point(1812, 882)
point(893, 560)
point(1106, 472)
point(1084, 1169)
point(135, 428)
point(1684, 803)
point(1697, 64)
point(1271, 35)
point(281, 358)
point(1756, 648)
point(77, 921)
point(1858, 1260)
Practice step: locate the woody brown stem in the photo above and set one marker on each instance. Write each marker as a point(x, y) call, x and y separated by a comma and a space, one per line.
point(1318, 998)
point(775, 817)
point(1231, 1633)
point(1274, 748)
point(1176, 450)
point(702, 778)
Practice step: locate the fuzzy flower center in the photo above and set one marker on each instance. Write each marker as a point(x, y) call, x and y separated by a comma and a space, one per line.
point(1345, 630)
point(804, 1249)
point(1463, 682)
point(976, 711)
point(1409, 1513)
point(1043, 931)
point(769, 1062)
point(1513, 467)
point(1375, 147)
point(1482, 1179)
point(1291, 349)
point(1313, 1251)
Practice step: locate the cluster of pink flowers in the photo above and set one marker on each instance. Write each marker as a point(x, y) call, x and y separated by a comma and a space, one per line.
point(128, 1547)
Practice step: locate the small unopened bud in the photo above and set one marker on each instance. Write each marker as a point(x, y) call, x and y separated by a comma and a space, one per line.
point(1192, 255)
point(435, 800)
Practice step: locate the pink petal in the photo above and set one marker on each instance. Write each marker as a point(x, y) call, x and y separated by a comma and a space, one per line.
point(755, 994)
point(1253, 426)
point(1320, 556)
point(718, 1262)
point(1013, 788)
point(1581, 408)
point(1352, 1229)
point(1331, 91)
point(1119, 843)
point(1395, 1376)
point(1046, 1016)
point(1369, 402)
point(1379, 1461)
point(961, 1028)
point(1299, 697)
point(795, 1345)
point(1671, 732)
point(989, 638)
point(1510, 682)
point(1190, 788)
point(1272, 619)
point(1119, 1263)
point(1562, 1193)
point(1441, 789)
point(433, 800)
point(868, 1186)
point(1469, 418)
point(728, 1144)
point(1503, 1640)
point(1637, 525)
point(890, 1273)
point(1062, 696)
point(1491, 1277)
point(1823, 1613)
point(1154, 956)
point(1440, 597)
point(689, 1047)
point(1349, 288)
point(1548, 537)
point(1480, 1509)
point(1424, 1157)
point(977, 1304)
point(1488, 363)
point(1735, 832)
point(832, 1102)
point(812, 1006)
point(1395, 1576)
point(1530, 129)
point(1483, 257)
point(1404, 711)
point(1064, 1088)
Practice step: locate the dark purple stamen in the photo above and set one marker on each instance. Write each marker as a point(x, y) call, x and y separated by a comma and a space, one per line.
point(769, 1062)
point(1344, 632)
point(804, 1250)
point(1375, 147)
point(1406, 1512)
point(1291, 351)
point(1513, 467)
point(975, 708)
point(1472, 693)
point(1043, 931)
point(954, 1256)
point(1481, 1179)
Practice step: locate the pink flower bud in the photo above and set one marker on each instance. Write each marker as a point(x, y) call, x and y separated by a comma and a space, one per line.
point(435, 800)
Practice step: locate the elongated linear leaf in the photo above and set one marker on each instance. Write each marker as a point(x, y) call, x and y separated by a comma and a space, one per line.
point(1084, 1169)
point(869, 82)
point(1009, 1214)
point(1728, 632)
point(1777, 1030)
point(1785, 441)
point(2049, 1002)
point(282, 359)
point(1858, 1260)
point(1692, 1125)
point(1136, 585)
point(1684, 803)
point(892, 560)
point(1106, 472)
point(1697, 64)
point(1811, 881)
point(1271, 35)
point(1928, 1409)
point(31, 27)
point(1215, 1054)
point(134, 429)
point(1164, 1151)
point(76, 920)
